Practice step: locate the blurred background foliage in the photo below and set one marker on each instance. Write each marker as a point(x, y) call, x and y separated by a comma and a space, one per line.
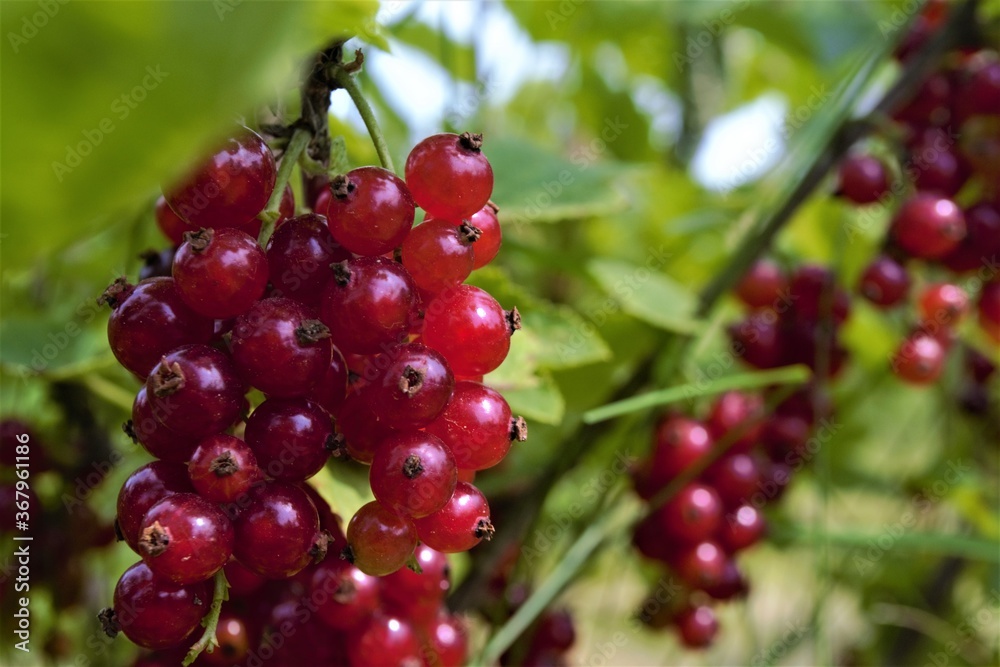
point(630, 146)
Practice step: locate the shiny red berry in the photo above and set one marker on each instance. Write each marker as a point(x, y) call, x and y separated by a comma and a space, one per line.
point(477, 426)
point(449, 176)
point(153, 612)
point(379, 540)
point(220, 273)
point(291, 438)
point(697, 626)
point(144, 488)
point(414, 387)
point(470, 329)
point(919, 359)
point(185, 538)
point(370, 211)
point(299, 254)
point(223, 468)
point(863, 179)
point(460, 525)
point(928, 226)
point(344, 595)
point(277, 533)
point(885, 282)
point(491, 238)
point(439, 255)
point(413, 473)
point(763, 286)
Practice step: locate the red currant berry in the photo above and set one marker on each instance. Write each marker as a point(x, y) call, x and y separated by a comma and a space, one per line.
point(763, 286)
point(220, 273)
point(277, 534)
point(171, 224)
point(146, 429)
point(230, 188)
point(697, 626)
point(222, 468)
point(736, 411)
point(448, 640)
point(379, 541)
point(234, 640)
point(741, 528)
point(477, 426)
point(885, 282)
point(815, 295)
point(195, 391)
point(148, 320)
point(784, 434)
point(733, 584)
point(331, 391)
point(919, 359)
point(369, 305)
point(759, 340)
point(679, 444)
point(863, 179)
point(153, 612)
point(460, 525)
point(449, 176)
point(440, 255)
point(370, 211)
point(414, 388)
point(144, 488)
point(362, 427)
point(701, 565)
point(384, 640)
point(299, 255)
point(412, 592)
point(185, 538)
point(648, 539)
point(980, 85)
point(344, 595)
point(982, 239)
point(280, 348)
point(928, 226)
point(943, 304)
point(488, 244)
point(692, 515)
point(735, 478)
point(242, 582)
point(931, 105)
point(937, 166)
point(413, 473)
point(291, 438)
point(470, 329)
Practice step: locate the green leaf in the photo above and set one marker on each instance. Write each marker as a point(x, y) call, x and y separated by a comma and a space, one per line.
point(650, 296)
point(114, 100)
point(535, 185)
point(345, 493)
point(535, 397)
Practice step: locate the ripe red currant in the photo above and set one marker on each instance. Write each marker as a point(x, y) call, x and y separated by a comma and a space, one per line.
point(220, 273)
point(440, 255)
point(477, 426)
point(222, 468)
point(379, 540)
point(919, 359)
point(449, 176)
point(185, 538)
point(144, 488)
point(413, 388)
point(299, 255)
point(291, 438)
point(863, 179)
point(470, 329)
point(370, 211)
point(460, 525)
point(885, 282)
point(413, 473)
point(277, 533)
point(488, 245)
point(928, 226)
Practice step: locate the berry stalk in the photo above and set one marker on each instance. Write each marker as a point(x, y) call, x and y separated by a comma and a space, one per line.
point(296, 146)
point(344, 76)
point(211, 620)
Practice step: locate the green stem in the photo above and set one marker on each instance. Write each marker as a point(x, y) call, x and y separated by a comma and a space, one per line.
point(300, 139)
point(797, 374)
point(569, 566)
point(972, 548)
point(210, 621)
point(346, 80)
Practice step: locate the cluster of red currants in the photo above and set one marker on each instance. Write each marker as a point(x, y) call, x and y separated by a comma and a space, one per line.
point(700, 529)
point(947, 222)
point(357, 337)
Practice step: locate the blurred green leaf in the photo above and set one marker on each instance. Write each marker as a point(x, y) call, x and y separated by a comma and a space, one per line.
point(650, 296)
point(161, 81)
point(537, 399)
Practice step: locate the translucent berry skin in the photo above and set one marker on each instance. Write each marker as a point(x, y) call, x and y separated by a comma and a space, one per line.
point(149, 320)
point(741, 528)
point(485, 248)
point(982, 240)
point(919, 359)
point(144, 488)
point(735, 477)
point(410, 593)
point(195, 391)
point(362, 426)
point(700, 565)
point(885, 282)
point(863, 179)
point(171, 224)
point(460, 525)
point(692, 515)
point(476, 426)
point(815, 294)
point(449, 176)
point(439, 255)
point(379, 540)
point(370, 211)
point(344, 595)
point(160, 441)
point(230, 188)
point(155, 613)
point(280, 348)
point(680, 442)
point(697, 626)
point(733, 584)
point(763, 285)
point(938, 167)
point(369, 305)
point(928, 226)
point(220, 273)
point(299, 254)
point(413, 473)
point(242, 582)
point(414, 388)
point(331, 391)
point(943, 304)
point(736, 411)
point(234, 640)
point(449, 639)
point(384, 641)
point(469, 328)
point(276, 531)
point(222, 468)
point(290, 438)
point(185, 539)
